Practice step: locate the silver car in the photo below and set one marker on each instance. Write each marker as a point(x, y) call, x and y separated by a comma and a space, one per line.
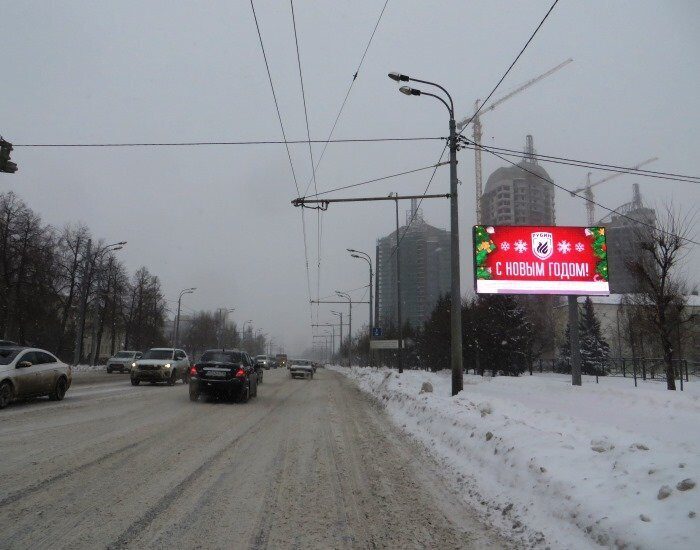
point(32, 372)
point(122, 361)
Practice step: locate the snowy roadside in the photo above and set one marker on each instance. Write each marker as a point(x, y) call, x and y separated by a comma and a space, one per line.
point(578, 466)
point(89, 368)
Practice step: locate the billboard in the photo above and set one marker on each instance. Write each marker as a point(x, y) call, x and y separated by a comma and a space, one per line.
point(511, 259)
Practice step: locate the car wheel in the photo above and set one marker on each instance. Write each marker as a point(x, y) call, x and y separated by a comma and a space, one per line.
point(172, 379)
point(59, 390)
point(135, 381)
point(5, 394)
point(194, 394)
point(244, 395)
point(109, 370)
point(256, 390)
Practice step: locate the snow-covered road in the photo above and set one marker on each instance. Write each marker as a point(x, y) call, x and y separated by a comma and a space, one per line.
point(306, 464)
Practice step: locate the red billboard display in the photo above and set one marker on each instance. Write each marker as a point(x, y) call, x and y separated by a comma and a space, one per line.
point(511, 259)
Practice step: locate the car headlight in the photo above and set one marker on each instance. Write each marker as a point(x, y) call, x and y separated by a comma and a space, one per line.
point(133, 365)
point(167, 365)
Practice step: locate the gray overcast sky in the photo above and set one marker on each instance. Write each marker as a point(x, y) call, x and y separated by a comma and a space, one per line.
point(219, 218)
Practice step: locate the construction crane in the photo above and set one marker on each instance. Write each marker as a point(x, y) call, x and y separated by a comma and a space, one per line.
point(587, 189)
point(477, 128)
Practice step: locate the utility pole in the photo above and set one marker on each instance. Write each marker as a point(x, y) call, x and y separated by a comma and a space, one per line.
point(78, 350)
point(176, 336)
point(340, 340)
point(455, 292)
point(398, 286)
point(366, 257)
point(349, 299)
point(575, 350)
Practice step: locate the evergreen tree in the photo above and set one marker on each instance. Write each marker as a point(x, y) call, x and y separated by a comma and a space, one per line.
point(595, 351)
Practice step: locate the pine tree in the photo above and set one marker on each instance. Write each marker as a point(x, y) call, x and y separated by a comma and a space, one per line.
point(595, 351)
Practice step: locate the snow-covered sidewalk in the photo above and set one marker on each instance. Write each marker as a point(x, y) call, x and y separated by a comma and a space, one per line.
point(606, 463)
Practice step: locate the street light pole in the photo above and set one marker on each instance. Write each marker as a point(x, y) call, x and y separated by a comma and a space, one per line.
point(347, 296)
point(340, 339)
point(398, 287)
point(455, 292)
point(176, 336)
point(366, 257)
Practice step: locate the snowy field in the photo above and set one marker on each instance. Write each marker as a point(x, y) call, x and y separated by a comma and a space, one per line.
point(604, 464)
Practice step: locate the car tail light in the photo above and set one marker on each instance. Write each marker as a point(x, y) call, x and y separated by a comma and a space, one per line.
point(193, 371)
point(240, 373)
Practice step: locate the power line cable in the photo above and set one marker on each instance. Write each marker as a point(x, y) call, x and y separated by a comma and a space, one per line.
point(599, 205)
point(238, 142)
point(374, 180)
point(517, 57)
point(291, 164)
point(347, 94)
point(311, 155)
point(590, 164)
point(493, 91)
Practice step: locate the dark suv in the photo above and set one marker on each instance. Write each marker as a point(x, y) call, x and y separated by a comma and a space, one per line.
point(227, 373)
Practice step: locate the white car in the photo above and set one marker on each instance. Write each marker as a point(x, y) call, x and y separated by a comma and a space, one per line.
point(122, 361)
point(160, 365)
point(31, 372)
point(300, 368)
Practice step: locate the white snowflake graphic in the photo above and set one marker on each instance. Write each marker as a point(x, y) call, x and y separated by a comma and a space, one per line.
point(505, 246)
point(564, 247)
point(579, 247)
point(520, 246)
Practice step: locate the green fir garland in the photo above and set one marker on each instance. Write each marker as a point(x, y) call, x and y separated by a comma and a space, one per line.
point(483, 246)
point(600, 250)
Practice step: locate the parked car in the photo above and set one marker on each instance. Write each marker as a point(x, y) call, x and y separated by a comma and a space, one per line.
point(300, 368)
point(31, 372)
point(224, 373)
point(122, 361)
point(160, 365)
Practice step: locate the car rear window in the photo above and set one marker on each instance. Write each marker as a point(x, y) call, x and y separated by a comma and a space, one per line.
point(7, 355)
point(221, 357)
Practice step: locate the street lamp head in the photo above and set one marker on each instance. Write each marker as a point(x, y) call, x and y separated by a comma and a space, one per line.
point(398, 77)
point(356, 256)
point(351, 250)
point(408, 90)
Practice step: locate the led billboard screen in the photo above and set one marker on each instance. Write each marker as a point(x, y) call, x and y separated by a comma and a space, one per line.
point(512, 259)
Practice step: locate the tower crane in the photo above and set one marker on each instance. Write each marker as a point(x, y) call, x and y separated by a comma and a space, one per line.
point(588, 192)
point(477, 128)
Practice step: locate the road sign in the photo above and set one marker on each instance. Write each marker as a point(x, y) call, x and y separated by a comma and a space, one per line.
point(377, 332)
point(384, 344)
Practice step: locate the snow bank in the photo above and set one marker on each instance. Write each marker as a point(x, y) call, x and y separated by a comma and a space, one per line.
point(88, 368)
point(556, 465)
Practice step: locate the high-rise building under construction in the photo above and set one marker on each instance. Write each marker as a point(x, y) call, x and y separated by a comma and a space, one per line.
point(519, 195)
point(424, 262)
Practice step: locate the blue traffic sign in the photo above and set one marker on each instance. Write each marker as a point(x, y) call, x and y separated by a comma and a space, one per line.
point(377, 332)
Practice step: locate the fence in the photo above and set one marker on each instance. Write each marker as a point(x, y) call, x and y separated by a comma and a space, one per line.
point(644, 368)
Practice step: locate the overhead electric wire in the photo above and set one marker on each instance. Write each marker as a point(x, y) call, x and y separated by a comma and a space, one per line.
point(517, 57)
point(590, 164)
point(347, 94)
point(319, 231)
point(238, 142)
point(373, 180)
point(291, 164)
point(493, 91)
point(583, 197)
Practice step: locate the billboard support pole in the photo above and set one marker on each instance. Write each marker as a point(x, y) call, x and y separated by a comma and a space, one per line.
point(574, 341)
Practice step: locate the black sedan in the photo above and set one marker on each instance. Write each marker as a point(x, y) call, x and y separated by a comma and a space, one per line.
point(224, 373)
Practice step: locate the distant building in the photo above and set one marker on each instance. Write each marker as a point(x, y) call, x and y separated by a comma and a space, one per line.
point(514, 195)
point(625, 232)
point(425, 271)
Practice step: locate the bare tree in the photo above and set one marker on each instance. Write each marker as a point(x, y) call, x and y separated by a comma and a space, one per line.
point(661, 284)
